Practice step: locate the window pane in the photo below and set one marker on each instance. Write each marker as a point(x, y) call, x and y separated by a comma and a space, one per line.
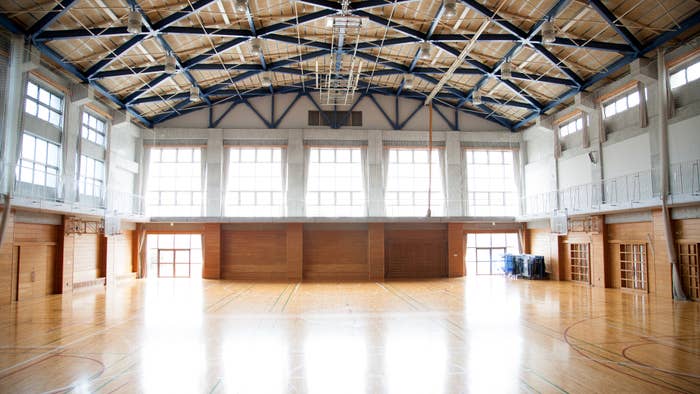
point(693, 72)
point(335, 183)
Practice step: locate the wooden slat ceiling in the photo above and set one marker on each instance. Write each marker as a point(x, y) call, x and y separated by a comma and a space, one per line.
point(213, 42)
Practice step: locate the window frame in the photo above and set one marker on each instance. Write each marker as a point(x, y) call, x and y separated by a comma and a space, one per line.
point(281, 206)
point(392, 206)
point(634, 272)
point(682, 69)
point(52, 92)
point(84, 178)
point(155, 206)
point(616, 100)
point(84, 126)
point(34, 162)
point(472, 191)
point(354, 197)
point(571, 126)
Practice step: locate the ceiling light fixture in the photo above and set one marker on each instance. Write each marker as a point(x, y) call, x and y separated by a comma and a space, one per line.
point(265, 80)
point(408, 81)
point(476, 97)
point(506, 70)
point(450, 9)
point(241, 6)
point(255, 47)
point(170, 64)
point(133, 24)
point(425, 50)
point(548, 35)
point(194, 94)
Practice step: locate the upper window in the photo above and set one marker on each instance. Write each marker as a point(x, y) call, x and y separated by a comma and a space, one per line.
point(39, 163)
point(92, 175)
point(175, 182)
point(44, 104)
point(255, 185)
point(685, 75)
point(571, 127)
point(335, 182)
point(491, 183)
point(621, 104)
point(93, 128)
point(407, 183)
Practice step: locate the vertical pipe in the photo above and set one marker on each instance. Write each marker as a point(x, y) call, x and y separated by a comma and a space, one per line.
point(430, 158)
point(678, 293)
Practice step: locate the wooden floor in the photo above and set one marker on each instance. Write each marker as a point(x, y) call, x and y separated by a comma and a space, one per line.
point(488, 334)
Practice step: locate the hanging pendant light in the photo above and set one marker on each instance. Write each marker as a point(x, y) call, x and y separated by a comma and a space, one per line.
point(265, 80)
point(170, 64)
point(425, 50)
point(476, 97)
point(408, 81)
point(133, 23)
point(255, 47)
point(548, 35)
point(240, 6)
point(194, 94)
point(450, 9)
point(506, 70)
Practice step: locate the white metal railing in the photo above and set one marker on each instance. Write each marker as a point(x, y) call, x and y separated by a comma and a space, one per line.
point(684, 178)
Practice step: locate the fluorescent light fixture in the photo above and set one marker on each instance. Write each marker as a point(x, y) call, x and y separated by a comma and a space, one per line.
point(194, 94)
point(450, 9)
point(170, 64)
point(548, 35)
point(408, 81)
point(425, 50)
point(476, 97)
point(255, 47)
point(265, 80)
point(506, 70)
point(240, 6)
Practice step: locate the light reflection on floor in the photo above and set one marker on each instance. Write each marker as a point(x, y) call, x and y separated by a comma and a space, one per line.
point(488, 334)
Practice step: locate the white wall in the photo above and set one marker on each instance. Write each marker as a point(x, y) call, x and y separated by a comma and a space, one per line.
point(626, 157)
point(684, 140)
point(574, 171)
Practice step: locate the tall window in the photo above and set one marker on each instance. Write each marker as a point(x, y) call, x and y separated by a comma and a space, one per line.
point(485, 252)
point(335, 182)
point(93, 129)
point(633, 266)
point(39, 163)
point(407, 183)
point(621, 104)
point(491, 183)
point(44, 104)
point(684, 75)
point(175, 182)
point(92, 175)
point(255, 185)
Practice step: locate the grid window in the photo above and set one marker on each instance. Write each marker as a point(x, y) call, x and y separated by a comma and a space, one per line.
point(485, 252)
point(633, 266)
point(335, 183)
point(685, 75)
point(580, 264)
point(621, 104)
point(491, 183)
point(93, 129)
point(571, 127)
point(174, 255)
point(175, 182)
point(44, 104)
point(407, 183)
point(255, 184)
point(689, 266)
point(39, 163)
point(92, 175)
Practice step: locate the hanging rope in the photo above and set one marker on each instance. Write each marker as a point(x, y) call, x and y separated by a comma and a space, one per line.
point(430, 158)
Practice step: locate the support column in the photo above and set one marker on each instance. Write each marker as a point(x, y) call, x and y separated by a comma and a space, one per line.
point(295, 251)
point(455, 248)
point(453, 174)
point(598, 253)
point(215, 161)
point(375, 258)
point(375, 174)
point(295, 174)
point(66, 258)
point(212, 251)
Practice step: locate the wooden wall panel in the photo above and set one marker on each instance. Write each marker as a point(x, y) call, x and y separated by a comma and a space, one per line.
point(87, 262)
point(254, 255)
point(8, 267)
point(542, 242)
point(335, 254)
point(456, 250)
point(416, 253)
point(119, 256)
point(36, 260)
point(375, 258)
point(295, 251)
point(212, 251)
point(660, 270)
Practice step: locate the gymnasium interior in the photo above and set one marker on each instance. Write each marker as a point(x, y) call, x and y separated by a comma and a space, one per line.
point(354, 196)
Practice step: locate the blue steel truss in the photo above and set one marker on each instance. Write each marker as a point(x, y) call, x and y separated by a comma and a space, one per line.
point(450, 97)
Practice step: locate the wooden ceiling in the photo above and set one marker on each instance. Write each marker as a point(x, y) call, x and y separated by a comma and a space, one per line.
point(211, 42)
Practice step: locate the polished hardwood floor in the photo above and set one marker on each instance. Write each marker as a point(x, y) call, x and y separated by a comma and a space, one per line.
point(487, 334)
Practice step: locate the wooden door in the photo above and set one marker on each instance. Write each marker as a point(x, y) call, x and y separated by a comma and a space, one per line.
point(36, 271)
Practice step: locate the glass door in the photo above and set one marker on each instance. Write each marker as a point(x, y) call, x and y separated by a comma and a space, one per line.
point(489, 261)
point(174, 263)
